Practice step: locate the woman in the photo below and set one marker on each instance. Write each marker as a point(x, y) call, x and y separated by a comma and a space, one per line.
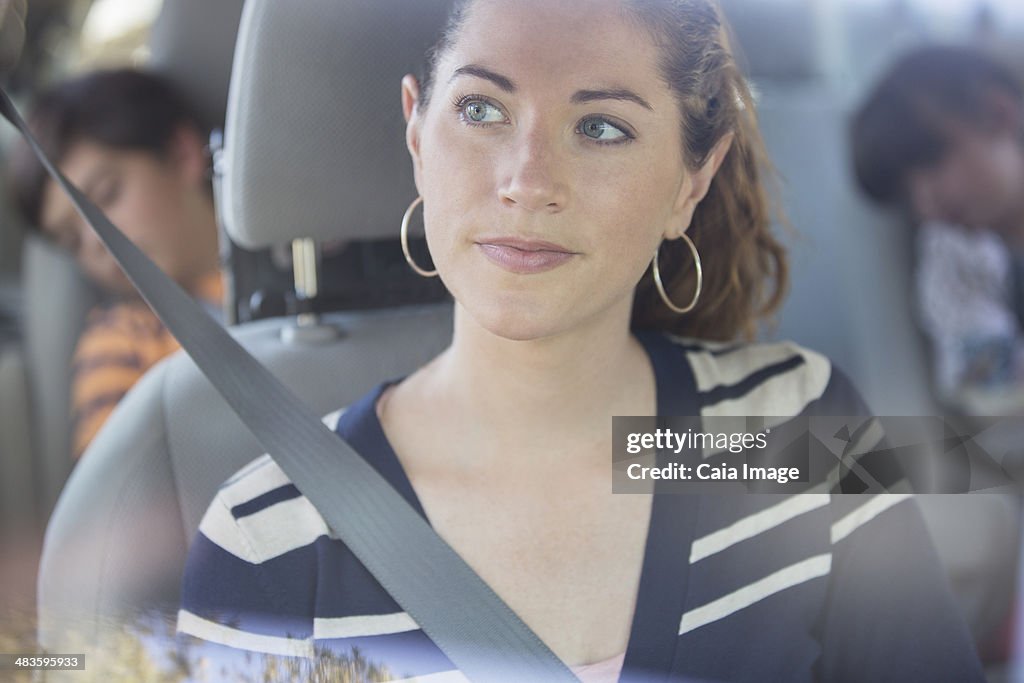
point(557, 146)
point(134, 144)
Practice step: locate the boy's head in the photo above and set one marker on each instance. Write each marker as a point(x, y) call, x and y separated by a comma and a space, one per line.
point(131, 142)
point(943, 136)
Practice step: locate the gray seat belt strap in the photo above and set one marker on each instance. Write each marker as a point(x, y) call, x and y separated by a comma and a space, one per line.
point(478, 632)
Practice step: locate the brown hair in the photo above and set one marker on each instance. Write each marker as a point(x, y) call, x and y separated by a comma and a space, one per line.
point(744, 267)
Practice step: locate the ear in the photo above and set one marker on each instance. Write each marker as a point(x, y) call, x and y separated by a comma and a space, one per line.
point(411, 110)
point(187, 153)
point(696, 186)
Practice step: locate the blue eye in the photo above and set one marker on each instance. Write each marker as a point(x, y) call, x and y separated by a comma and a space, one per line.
point(476, 110)
point(601, 130)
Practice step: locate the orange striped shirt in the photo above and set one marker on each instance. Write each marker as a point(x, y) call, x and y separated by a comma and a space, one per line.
point(119, 344)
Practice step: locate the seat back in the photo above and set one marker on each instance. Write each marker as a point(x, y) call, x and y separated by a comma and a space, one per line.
point(57, 295)
point(852, 271)
point(192, 42)
point(302, 107)
point(17, 501)
point(57, 301)
point(302, 72)
point(117, 541)
point(851, 265)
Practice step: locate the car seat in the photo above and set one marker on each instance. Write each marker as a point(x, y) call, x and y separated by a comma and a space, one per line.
point(57, 300)
point(57, 296)
point(17, 501)
point(852, 268)
point(314, 149)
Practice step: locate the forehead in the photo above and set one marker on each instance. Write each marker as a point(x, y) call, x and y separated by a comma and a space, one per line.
point(557, 42)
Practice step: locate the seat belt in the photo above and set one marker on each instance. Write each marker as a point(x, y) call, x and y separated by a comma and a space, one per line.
point(464, 617)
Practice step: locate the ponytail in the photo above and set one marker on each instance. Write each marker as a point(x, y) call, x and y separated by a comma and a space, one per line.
point(745, 270)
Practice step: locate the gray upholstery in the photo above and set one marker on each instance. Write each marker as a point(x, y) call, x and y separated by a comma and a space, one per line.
point(851, 299)
point(17, 500)
point(118, 537)
point(851, 265)
point(210, 28)
point(117, 540)
point(57, 296)
point(315, 148)
point(793, 48)
point(57, 300)
point(322, 166)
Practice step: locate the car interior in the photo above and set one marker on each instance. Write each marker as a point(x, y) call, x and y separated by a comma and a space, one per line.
point(311, 176)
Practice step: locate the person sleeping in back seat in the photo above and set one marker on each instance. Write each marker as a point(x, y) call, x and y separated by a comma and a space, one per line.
point(134, 145)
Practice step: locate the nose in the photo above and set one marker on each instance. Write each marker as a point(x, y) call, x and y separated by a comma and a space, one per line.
point(535, 177)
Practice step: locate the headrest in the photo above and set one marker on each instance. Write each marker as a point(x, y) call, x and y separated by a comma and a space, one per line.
point(315, 139)
point(778, 40)
point(192, 42)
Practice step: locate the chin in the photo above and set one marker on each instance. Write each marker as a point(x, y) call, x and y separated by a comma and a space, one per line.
point(516, 321)
point(516, 328)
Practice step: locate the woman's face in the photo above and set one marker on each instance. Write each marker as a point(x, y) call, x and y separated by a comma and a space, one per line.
point(550, 163)
point(147, 197)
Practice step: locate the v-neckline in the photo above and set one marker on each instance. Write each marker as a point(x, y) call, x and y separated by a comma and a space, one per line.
point(650, 652)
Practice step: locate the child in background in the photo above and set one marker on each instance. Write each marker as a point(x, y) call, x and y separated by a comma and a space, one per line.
point(942, 137)
point(130, 141)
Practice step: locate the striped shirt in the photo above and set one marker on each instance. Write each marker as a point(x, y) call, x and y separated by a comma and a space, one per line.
point(733, 588)
point(116, 348)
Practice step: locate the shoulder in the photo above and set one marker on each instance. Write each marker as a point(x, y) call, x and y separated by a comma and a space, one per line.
point(123, 326)
point(263, 474)
point(776, 378)
point(258, 513)
point(942, 244)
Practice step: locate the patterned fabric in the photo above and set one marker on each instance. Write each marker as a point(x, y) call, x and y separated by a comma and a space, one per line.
point(751, 588)
point(119, 344)
point(965, 299)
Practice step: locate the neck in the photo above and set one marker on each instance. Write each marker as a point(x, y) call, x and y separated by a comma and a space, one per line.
point(544, 395)
point(205, 253)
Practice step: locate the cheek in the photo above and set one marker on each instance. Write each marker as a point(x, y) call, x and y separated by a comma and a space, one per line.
point(456, 164)
point(990, 167)
point(1008, 167)
point(150, 212)
point(458, 187)
point(632, 202)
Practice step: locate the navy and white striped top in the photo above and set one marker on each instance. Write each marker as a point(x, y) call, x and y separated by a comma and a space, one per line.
point(733, 588)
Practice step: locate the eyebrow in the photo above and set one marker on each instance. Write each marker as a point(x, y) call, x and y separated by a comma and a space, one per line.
point(579, 97)
point(502, 82)
point(583, 96)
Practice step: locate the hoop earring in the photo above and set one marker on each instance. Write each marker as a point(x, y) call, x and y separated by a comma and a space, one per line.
point(405, 240)
point(661, 287)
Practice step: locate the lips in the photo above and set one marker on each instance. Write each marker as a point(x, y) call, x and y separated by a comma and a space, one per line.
point(524, 256)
